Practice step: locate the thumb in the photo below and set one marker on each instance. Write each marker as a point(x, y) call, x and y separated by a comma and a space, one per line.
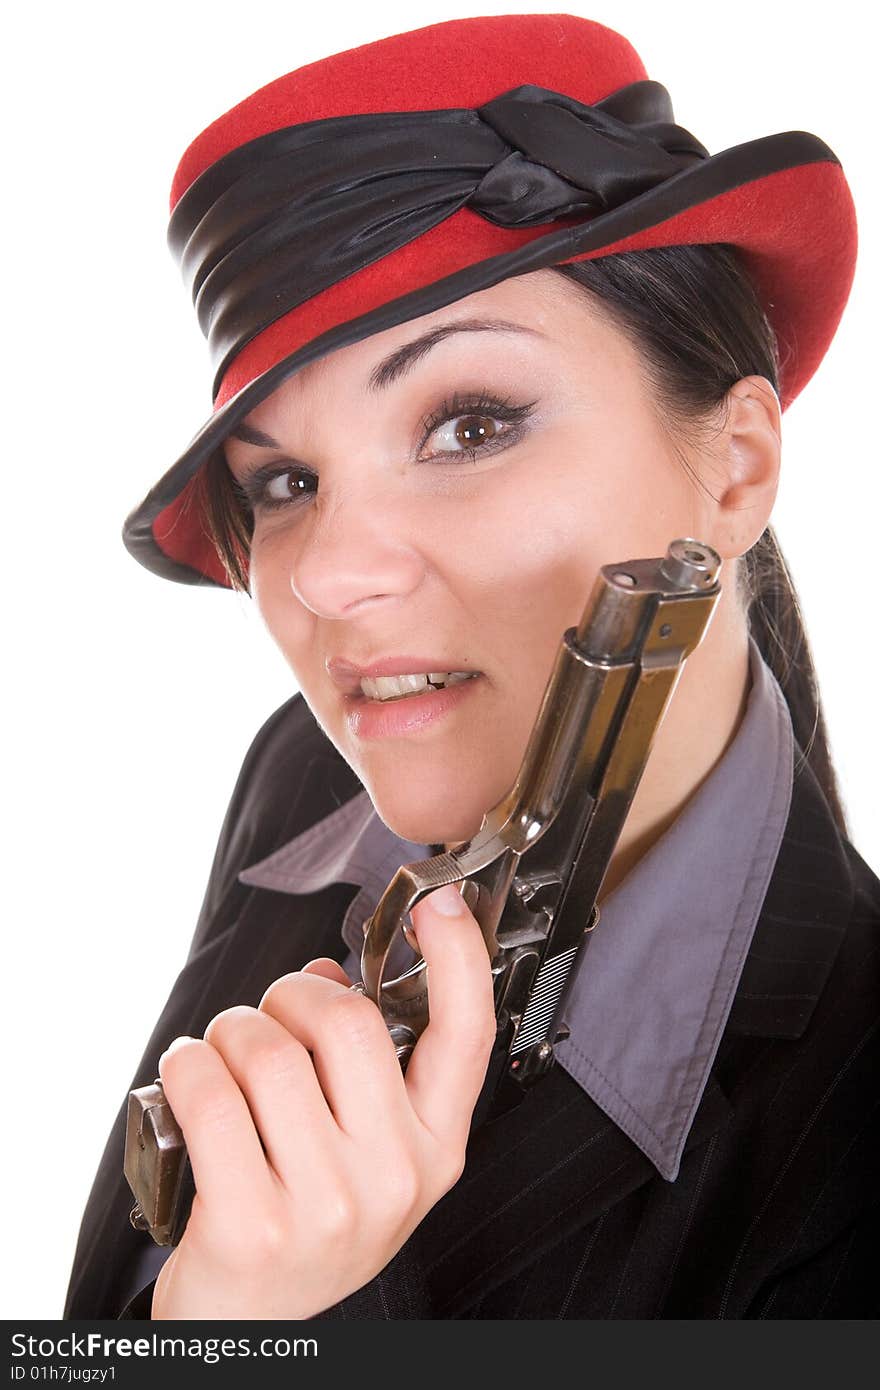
point(329, 969)
point(448, 1064)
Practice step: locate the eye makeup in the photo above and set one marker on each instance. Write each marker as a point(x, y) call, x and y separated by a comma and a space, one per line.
point(252, 489)
point(485, 404)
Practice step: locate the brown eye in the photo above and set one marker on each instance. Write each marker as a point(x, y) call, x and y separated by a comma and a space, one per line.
point(466, 433)
point(474, 429)
point(482, 424)
point(286, 486)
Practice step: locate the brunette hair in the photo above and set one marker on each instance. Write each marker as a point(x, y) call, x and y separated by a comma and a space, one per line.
point(696, 320)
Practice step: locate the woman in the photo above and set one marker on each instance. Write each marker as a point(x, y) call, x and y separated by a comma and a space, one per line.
point(466, 354)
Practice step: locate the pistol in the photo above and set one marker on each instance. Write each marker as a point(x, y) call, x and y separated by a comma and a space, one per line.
point(532, 874)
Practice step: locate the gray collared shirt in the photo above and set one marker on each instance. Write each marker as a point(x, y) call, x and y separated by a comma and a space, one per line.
point(649, 1005)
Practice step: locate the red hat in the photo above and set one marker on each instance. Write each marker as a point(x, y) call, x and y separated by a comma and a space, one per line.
point(383, 183)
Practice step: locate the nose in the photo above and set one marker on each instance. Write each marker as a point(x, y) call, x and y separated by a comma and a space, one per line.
point(355, 554)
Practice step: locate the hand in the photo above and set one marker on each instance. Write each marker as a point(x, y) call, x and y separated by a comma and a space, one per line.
point(314, 1158)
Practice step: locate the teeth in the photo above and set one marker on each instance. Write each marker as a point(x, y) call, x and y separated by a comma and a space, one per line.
point(398, 687)
point(389, 686)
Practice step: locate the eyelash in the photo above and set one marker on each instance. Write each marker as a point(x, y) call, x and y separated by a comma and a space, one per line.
point(252, 492)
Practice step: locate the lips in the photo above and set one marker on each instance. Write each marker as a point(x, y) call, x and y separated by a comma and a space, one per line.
point(347, 675)
point(409, 717)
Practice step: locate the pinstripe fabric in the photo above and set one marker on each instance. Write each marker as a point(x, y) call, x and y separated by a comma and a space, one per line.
point(558, 1215)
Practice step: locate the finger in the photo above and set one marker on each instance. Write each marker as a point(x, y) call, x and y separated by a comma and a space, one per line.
point(448, 1065)
point(224, 1147)
point(276, 1076)
point(330, 969)
point(352, 1051)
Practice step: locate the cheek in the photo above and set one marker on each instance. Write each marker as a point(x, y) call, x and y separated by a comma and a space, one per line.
point(289, 623)
point(536, 531)
point(540, 531)
point(611, 492)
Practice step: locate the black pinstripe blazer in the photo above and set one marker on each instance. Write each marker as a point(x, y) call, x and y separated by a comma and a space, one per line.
point(775, 1212)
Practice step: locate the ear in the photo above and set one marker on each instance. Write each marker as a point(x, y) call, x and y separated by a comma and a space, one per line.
point(741, 468)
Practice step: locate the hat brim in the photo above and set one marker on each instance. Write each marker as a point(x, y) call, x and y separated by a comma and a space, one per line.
point(783, 201)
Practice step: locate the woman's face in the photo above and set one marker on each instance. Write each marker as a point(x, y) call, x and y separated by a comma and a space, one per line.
point(445, 492)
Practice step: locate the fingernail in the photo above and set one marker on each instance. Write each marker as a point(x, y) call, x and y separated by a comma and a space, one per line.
point(172, 1046)
point(448, 901)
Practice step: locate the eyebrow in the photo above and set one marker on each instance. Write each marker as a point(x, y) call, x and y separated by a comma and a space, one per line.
point(399, 362)
point(248, 435)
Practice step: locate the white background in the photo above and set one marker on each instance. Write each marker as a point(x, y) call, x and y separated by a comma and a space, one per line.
point(130, 701)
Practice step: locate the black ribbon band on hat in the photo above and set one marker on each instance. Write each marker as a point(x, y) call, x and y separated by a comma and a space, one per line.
point(291, 213)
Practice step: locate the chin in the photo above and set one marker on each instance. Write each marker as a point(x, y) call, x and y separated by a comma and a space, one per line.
point(426, 825)
point(433, 803)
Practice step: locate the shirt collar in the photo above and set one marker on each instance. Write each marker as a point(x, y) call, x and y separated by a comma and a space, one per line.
point(351, 845)
point(649, 1004)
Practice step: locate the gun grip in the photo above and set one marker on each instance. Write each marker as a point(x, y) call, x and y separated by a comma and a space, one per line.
point(157, 1166)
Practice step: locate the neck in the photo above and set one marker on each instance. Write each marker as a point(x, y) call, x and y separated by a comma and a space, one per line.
point(701, 722)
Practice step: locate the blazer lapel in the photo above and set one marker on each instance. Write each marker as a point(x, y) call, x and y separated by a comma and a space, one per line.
point(549, 1167)
point(805, 914)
